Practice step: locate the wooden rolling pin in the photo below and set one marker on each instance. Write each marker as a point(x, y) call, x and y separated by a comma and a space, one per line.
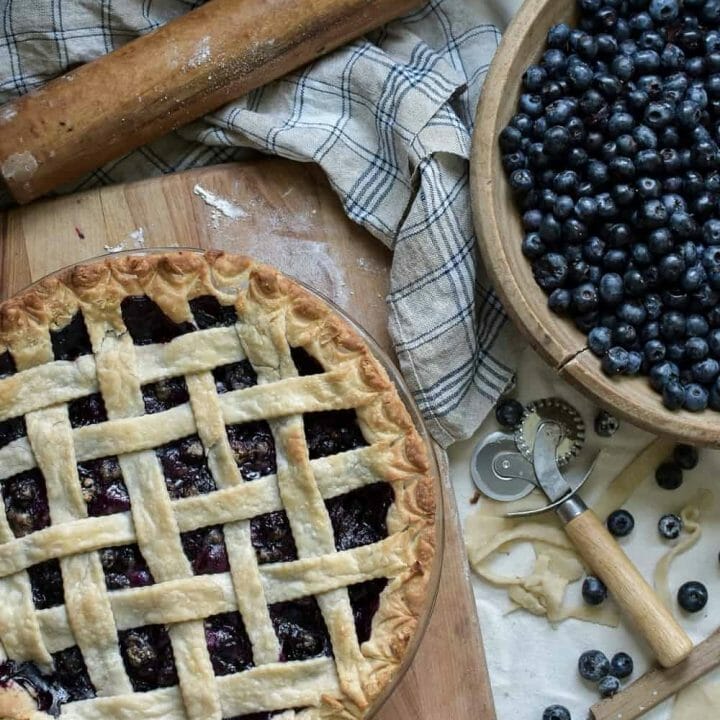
point(163, 80)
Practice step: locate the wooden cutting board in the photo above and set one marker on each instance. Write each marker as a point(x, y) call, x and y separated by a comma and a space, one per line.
point(286, 214)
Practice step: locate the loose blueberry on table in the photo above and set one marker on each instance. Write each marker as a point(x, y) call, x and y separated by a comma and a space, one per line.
point(606, 425)
point(621, 665)
point(594, 591)
point(613, 156)
point(670, 526)
point(692, 596)
point(509, 413)
point(620, 523)
point(593, 665)
point(608, 686)
point(556, 712)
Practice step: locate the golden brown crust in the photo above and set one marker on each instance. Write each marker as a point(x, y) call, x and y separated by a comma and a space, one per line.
point(174, 278)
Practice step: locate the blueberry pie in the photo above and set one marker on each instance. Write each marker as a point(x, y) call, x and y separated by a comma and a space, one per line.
point(215, 504)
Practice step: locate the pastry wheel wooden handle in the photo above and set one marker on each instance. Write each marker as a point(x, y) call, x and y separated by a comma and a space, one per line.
point(165, 79)
point(638, 600)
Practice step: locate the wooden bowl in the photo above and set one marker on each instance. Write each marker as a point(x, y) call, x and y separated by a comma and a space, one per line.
point(497, 222)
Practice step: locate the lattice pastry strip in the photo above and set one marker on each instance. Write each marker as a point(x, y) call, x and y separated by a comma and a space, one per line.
point(158, 536)
point(368, 465)
point(270, 354)
point(86, 597)
point(241, 554)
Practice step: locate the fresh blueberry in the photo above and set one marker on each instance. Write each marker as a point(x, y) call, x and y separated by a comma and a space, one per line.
point(711, 232)
point(692, 596)
point(558, 36)
point(621, 665)
point(672, 324)
point(509, 413)
point(606, 425)
point(556, 712)
point(657, 114)
point(593, 590)
point(705, 371)
point(615, 361)
point(620, 523)
point(585, 298)
point(686, 456)
point(611, 288)
point(696, 326)
point(654, 351)
point(531, 104)
point(662, 372)
point(608, 686)
point(593, 665)
point(670, 526)
point(599, 340)
point(560, 301)
point(673, 394)
point(669, 476)
point(532, 246)
point(696, 397)
point(550, 271)
point(522, 181)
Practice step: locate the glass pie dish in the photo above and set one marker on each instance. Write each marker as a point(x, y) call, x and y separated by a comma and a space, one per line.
point(140, 393)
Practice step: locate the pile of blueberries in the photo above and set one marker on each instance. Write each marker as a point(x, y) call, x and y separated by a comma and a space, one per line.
point(614, 157)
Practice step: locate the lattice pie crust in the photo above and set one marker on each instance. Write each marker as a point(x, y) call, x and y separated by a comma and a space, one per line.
point(274, 315)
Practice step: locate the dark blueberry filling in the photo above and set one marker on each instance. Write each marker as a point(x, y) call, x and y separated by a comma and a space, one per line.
point(305, 363)
point(206, 550)
point(272, 538)
point(125, 567)
point(72, 341)
point(148, 657)
point(102, 485)
point(301, 630)
point(26, 503)
point(7, 364)
point(68, 682)
point(365, 601)
point(47, 584)
point(209, 313)
point(165, 394)
point(360, 517)
point(12, 429)
point(148, 324)
point(228, 643)
point(253, 446)
point(234, 376)
point(332, 432)
point(71, 672)
point(88, 410)
point(185, 468)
